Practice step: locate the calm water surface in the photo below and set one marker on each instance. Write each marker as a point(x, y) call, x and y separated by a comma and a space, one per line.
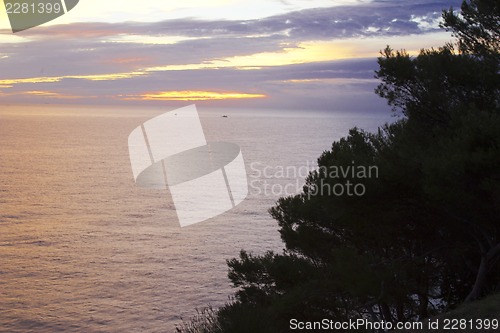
point(83, 249)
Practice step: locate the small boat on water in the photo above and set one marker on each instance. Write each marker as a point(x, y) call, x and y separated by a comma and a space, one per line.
point(224, 116)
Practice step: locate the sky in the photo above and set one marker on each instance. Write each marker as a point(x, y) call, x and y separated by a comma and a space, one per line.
point(280, 54)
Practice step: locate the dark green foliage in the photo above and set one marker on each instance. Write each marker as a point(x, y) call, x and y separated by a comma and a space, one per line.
point(452, 106)
point(477, 27)
point(486, 308)
point(205, 321)
point(430, 88)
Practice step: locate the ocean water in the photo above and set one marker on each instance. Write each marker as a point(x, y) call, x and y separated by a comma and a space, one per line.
point(83, 249)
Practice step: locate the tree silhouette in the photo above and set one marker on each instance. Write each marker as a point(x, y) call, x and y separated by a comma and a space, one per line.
point(425, 234)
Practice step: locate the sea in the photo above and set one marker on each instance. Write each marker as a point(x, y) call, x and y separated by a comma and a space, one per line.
point(84, 249)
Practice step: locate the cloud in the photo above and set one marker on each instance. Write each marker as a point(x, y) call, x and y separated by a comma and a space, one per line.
point(383, 17)
point(282, 54)
point(346, 83)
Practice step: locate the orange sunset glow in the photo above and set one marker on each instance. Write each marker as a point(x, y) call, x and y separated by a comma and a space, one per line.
point(188, 95)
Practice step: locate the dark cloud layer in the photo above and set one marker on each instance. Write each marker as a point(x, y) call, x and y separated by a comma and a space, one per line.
point(387, 17)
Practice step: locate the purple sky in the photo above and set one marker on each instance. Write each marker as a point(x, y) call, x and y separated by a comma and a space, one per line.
point(308, 58)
